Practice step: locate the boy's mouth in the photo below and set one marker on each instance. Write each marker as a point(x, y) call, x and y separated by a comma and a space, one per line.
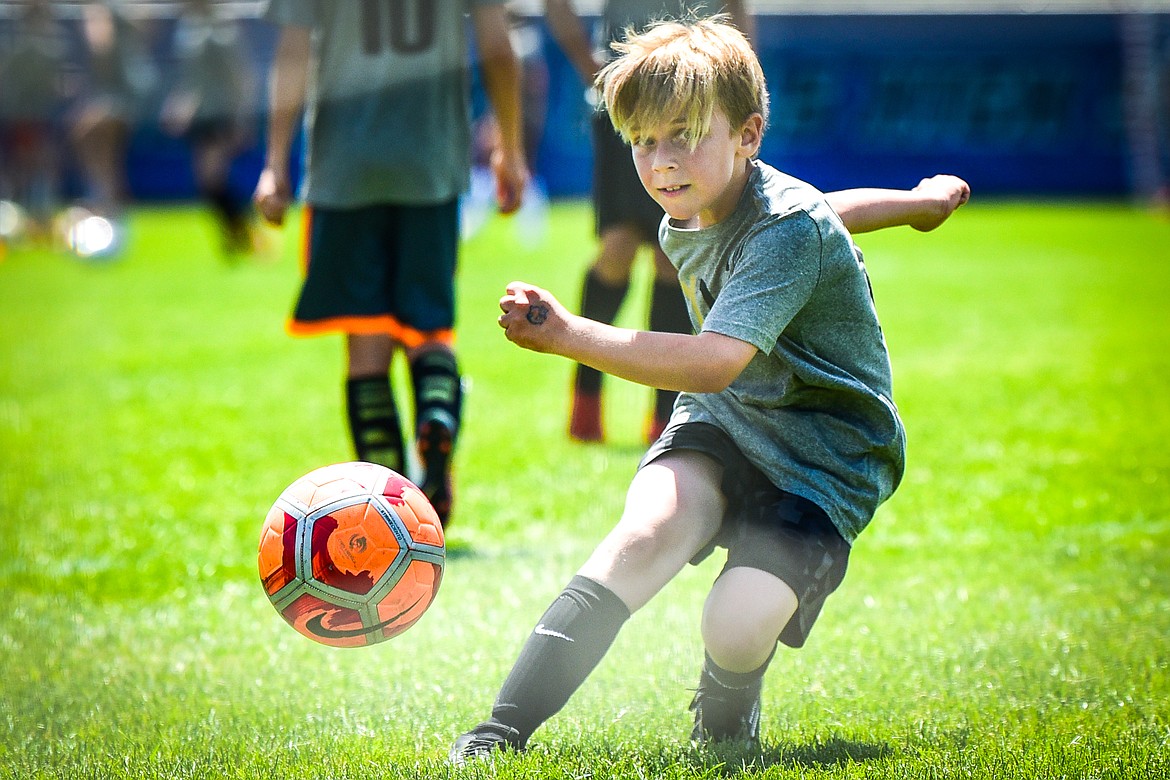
point(673, 189)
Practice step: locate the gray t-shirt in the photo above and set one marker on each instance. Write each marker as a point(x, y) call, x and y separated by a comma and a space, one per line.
point(813, 410)
point(388, 114)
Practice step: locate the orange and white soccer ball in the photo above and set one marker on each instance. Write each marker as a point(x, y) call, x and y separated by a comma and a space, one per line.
point(351, 554)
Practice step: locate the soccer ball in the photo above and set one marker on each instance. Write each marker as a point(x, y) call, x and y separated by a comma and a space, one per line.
point(351, 554)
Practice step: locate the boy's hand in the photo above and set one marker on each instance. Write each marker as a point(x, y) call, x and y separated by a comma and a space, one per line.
point(947, 193)
point(532, 317)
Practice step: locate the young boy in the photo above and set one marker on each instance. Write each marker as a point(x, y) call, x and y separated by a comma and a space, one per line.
point(784, 439)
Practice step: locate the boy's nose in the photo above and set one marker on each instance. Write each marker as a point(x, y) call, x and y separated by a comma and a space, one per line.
point(664, 159)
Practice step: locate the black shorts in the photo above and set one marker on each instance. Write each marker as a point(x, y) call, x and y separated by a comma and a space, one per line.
point(381, 269)
point(618, 195)
point(766, 528)
point(207, 132)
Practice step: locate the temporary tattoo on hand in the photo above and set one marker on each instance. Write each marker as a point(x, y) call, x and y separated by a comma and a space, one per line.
point(537, 313)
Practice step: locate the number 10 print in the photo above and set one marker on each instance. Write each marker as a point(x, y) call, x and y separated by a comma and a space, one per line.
point(405, 26)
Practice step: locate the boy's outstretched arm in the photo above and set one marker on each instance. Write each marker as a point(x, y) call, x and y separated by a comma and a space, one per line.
point(923, 208)
point(706, 363)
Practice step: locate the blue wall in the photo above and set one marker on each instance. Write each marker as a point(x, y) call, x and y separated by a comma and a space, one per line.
point(1021, 104)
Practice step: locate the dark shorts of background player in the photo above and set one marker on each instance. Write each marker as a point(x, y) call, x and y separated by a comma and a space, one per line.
point(765, 527)
point(381, 267)
point(618, 195)
point(207, 132)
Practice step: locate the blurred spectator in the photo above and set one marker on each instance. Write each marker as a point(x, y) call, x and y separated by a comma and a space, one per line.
point(31, 99)
point(210, 106)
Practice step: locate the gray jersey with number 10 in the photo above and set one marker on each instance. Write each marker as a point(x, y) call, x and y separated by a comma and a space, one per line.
point(388, 114)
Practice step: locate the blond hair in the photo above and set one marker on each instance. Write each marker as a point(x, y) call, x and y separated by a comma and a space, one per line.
point(682, 71)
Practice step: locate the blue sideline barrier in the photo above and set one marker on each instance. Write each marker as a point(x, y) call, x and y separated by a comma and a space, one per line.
point(1018, 104)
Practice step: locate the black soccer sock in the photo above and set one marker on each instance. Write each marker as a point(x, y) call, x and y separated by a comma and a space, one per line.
point(713, 675)
point(229, 207)
point(438, 390)
point(373, 421)
point(668, 314)
point(599, 301)
point(569, 641)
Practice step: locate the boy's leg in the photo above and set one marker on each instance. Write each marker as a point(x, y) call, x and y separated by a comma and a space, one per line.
point(423, 243)
point(370, 406)
point(784, 559)
point(744, 614)
point(438, 404)
point(567, 643)
point(673, 508)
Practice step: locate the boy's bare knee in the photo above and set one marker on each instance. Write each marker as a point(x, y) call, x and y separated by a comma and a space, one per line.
point(738, 648)
point(743, 617)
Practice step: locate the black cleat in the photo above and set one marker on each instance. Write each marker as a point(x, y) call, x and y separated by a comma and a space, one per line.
point(726, 714)
point(435, 444)
point(484, 741)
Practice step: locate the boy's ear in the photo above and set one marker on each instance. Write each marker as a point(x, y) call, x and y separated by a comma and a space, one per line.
point(751, 135)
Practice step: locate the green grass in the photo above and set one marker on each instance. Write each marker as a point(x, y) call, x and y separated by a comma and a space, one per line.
point(1006, 615)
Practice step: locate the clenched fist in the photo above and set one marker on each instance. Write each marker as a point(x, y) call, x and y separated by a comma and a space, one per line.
point(533, 318)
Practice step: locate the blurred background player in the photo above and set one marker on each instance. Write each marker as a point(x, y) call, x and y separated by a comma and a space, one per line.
point(478, 203)
point(1145, 100)
point(388, 150)
point(31, 99)
point(120, 82)
point(210, 106)
point(626, 217)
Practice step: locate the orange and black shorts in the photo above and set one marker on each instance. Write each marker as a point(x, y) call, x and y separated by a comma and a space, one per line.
point(380, 269)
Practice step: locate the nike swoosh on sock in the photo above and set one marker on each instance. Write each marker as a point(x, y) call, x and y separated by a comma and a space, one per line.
point(540, 629)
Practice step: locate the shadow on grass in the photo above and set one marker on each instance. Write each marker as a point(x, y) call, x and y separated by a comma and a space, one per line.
point(460, 548)
point(822, 754)
point(826, 754)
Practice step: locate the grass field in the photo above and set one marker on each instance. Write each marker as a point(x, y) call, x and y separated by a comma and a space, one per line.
point(1006, 616)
